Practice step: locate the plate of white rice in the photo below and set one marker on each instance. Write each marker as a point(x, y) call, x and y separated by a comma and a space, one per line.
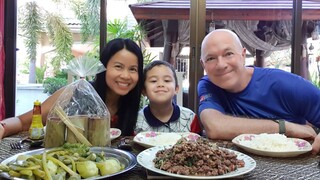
point(273, 145)
point(151, 138)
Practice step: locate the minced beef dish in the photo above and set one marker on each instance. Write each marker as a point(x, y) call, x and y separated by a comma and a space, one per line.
point(198, 158)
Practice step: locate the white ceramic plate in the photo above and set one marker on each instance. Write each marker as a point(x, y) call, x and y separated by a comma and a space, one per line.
point(114, 133)
point(302, 146)
point(145, 159)
point(151, 138)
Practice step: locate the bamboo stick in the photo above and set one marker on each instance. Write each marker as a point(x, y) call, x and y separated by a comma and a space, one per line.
point(81, 123)
point(68, 123)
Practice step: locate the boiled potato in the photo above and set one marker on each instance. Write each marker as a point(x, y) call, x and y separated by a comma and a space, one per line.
point(87, 169)
point(109, 166)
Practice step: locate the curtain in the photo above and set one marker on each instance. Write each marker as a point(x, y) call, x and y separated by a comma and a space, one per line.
point(278, 37)
point(2, 59)
point(183, 37)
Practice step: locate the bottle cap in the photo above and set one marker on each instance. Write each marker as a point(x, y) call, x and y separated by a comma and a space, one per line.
point(37, 103)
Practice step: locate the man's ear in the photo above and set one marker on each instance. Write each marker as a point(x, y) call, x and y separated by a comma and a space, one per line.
point(244, 53)
point(201, 62)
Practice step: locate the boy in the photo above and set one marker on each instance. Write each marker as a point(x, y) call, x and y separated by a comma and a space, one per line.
point(162, 115)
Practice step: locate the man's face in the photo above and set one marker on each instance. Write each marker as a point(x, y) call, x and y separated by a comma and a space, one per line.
point(223, 60)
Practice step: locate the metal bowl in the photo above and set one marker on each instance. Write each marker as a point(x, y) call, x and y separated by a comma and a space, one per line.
point(126, 158)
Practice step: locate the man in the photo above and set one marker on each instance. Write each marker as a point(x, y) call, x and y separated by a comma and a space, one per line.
point(235, 99)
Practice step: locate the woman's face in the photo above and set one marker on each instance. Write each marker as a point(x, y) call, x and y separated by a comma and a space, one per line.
point(122, 72)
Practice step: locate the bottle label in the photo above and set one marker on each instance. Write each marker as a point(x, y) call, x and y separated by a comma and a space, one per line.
point(36, 133)
point(36, 130)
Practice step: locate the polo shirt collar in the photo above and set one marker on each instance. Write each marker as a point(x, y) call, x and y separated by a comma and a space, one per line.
point(155, 122)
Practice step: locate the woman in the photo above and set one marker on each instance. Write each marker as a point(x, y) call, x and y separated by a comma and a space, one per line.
point(119, 87)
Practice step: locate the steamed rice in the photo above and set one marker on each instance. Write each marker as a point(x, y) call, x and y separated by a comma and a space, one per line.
point(270, 142)
point(164, 139)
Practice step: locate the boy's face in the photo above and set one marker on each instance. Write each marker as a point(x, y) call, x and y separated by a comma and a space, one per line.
point(160, 85)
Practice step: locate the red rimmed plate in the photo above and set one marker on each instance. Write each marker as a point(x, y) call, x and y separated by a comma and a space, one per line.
point(151, 138)
point(272, 145)
point(114, 133)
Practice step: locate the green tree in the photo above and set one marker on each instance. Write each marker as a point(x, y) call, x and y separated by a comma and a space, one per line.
point(31, 26)
point(40, 74)
point(315, 79)
point(31, 21)
point(61, 37)
point(88, 12)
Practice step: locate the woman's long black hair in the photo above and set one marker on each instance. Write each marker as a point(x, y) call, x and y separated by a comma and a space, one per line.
point(129, 104)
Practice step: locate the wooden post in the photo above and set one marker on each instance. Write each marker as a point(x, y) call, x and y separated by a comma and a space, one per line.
point(296, 36)
point(259, 62)
point(197, 33)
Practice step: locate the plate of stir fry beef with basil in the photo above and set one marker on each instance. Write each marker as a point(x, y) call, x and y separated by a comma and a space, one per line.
point(198, 159)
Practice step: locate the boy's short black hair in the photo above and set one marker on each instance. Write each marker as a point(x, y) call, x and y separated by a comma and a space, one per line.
point(159, 63)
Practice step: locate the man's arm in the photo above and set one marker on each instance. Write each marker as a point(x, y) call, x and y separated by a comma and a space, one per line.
point(316, 145)
point(220, 126)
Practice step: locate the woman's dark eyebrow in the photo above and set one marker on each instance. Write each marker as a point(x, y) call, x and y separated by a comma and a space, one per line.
point(116, 62)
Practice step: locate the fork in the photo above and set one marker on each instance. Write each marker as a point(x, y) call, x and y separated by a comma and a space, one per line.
point(18, 145)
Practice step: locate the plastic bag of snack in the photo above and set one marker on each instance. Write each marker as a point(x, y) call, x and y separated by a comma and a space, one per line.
point(79, 115)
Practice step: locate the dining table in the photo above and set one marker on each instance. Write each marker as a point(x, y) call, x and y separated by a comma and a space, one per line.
point(305, 166)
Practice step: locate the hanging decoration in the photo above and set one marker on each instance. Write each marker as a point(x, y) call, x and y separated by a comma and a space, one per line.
point(212, 24)
point(315, 32)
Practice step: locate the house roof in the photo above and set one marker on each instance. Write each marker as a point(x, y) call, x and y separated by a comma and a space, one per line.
point(227, 9)
point(150, 14)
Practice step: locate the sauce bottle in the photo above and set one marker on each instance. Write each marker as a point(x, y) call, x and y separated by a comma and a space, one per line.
point(36, 130)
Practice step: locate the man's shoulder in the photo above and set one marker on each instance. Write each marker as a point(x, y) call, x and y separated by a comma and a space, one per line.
point(279, 79)
point(271, 71)
point(204, 78)
point(274, 74)
point(204, 81)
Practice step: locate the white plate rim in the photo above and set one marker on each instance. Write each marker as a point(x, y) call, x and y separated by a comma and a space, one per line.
point(271, 153)
point(112, 137)
point(145, 158)
point(142, 135)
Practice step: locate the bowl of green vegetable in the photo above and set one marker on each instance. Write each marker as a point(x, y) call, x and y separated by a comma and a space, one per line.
point(69, 161)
